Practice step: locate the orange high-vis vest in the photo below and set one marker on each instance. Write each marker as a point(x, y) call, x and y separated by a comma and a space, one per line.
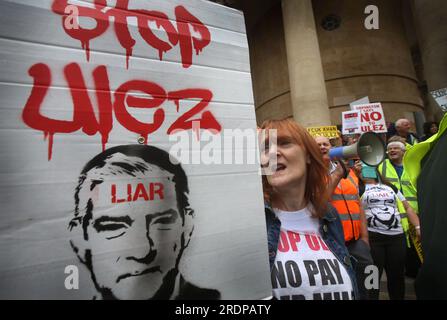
point(347, 202)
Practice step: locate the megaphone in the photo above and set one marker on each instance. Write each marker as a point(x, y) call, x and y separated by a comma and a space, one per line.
point(370, 149)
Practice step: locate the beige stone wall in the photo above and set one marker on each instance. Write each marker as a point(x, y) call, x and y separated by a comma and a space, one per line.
point(356, 62)
point(389, 90)
point(431, 26)
point(277, 108)
point(269, 67)
point(359, 62)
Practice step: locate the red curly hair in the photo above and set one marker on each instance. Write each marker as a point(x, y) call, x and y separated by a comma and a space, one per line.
point(316, 191)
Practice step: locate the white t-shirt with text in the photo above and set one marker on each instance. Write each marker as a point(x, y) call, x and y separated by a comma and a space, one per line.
point(305, 268)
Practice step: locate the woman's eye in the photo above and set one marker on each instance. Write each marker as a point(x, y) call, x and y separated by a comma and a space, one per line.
point(284, 143)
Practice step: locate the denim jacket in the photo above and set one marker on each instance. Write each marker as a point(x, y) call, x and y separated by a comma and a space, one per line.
point(332, 234)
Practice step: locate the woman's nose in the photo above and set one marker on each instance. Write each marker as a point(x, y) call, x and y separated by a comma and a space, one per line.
point(273, 150)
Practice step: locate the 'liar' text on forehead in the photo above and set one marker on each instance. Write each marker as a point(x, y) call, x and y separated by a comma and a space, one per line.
point(138, 192)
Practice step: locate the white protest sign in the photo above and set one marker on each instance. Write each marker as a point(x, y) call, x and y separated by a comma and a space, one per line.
point(351, 122)
point(92, 204)
point(364, 100)
point(372, 117)
point(441, 98)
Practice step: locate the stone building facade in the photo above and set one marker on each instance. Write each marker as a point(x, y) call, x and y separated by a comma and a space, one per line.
point(311, 58)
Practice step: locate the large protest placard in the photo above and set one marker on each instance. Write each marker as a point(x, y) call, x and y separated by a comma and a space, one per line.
point(364, 100)
point(372, 117)
point(95, 95)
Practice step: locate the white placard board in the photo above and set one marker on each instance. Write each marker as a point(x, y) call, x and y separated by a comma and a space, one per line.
point(90, 204)
point(364, 100)
point(441, 98)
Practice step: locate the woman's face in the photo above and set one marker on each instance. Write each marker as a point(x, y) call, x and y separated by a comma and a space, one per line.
point(434, 128)
point(291, 166)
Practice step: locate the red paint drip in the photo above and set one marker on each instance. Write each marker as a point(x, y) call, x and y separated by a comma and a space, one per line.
point(50, 145)
point(128, 54)
point(177, 103)
point(104, 140)
point(197, 46)
point(86, 46)
point(160, 54)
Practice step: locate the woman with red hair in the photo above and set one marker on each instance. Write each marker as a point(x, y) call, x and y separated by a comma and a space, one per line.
point(308, 257)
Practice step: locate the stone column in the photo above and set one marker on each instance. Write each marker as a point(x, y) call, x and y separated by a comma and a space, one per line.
point(430, 16)
point(307, 86)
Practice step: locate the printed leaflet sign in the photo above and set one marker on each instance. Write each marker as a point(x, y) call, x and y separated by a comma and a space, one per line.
point(351, 122)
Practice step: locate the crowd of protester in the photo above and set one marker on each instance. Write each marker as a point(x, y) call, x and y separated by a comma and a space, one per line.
point(366, 216)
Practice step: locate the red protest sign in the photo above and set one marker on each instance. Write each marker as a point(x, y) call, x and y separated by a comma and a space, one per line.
point(371, 117)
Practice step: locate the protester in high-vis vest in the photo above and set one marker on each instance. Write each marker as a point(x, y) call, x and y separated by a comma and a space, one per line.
point(426, 165)
point(387, 227)
point(392, 169)
point(345, 198)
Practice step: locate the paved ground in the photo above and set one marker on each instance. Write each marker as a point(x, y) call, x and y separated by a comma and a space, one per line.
point(409, 289)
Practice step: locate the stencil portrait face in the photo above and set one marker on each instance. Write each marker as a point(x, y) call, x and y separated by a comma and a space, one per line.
point(134, 231)
point(132, 222)
point(134, 244)
point(383, 209)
